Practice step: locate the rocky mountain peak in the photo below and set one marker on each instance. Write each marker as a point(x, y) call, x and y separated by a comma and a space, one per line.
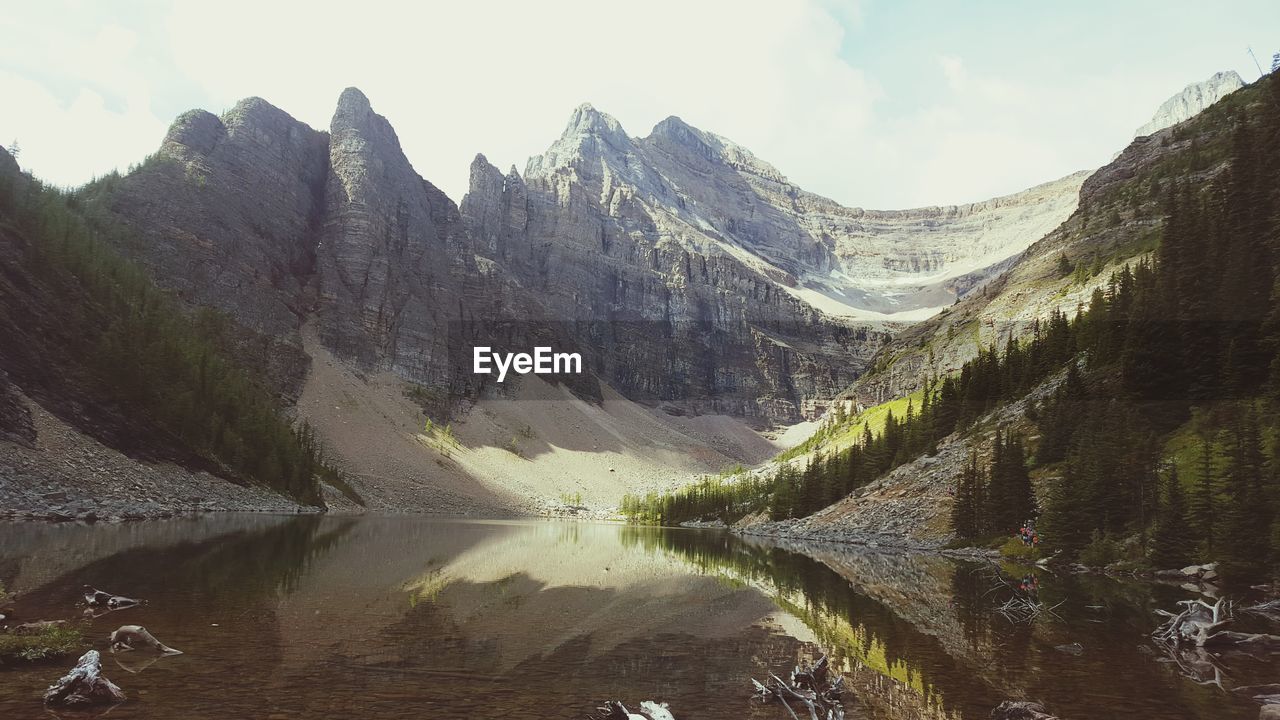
point(353, 100)
point(258, 114)
point(589, 137)
point(688, 143)
point(354, 119)
point(193, 132)
point(1191, 100)
point(587, 120)
point(675, 135)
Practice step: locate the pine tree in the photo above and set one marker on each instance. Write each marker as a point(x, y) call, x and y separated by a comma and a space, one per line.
point(1246, 522)
point(966, 511)
point(1010, 500)
point(1204, 502)
point(1173, 543)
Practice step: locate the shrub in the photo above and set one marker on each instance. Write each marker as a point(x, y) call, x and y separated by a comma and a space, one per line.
point(1101, 551)
point(52, 641)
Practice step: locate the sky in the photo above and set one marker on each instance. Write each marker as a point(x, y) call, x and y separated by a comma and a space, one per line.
point(873, 103)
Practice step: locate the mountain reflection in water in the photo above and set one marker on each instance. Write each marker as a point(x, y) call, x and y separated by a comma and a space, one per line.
point(377, 617)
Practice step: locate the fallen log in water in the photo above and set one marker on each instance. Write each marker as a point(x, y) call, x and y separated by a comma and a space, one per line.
point(811, 687)
point(136, 637)
point(1200, 624)
point(84, 685)
point(615, 710)
point(98, 599)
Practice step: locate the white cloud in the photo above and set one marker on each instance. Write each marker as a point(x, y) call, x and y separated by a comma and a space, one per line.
point(68, 142)
point(89, 87)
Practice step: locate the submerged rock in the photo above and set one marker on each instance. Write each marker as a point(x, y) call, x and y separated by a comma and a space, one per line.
point(84, 685)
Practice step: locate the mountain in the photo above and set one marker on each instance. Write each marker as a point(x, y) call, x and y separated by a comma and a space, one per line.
point(705, 291)
point(703, 194)
point(689, 273)
point(1094, 242)
point(1128, 210)
point(684, 233)
point(1193, 99)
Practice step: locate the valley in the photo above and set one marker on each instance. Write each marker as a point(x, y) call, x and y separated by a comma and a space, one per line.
point(644, 419)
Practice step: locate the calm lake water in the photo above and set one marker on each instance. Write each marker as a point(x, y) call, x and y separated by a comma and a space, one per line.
point(406, 617)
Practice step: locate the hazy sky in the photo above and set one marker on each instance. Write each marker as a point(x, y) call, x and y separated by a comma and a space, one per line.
point(874, 103)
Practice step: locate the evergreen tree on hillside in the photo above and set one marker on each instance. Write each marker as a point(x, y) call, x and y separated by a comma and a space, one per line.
point(1173, 543)
point(1204, 502)
point(1246, 522)
point(1010, 500)
point(967, 519)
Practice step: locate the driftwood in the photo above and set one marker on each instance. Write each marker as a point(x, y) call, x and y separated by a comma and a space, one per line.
point(1200, 624)
point(811, 686)
point(1196, 664)
point(1265, 694)
point(37, 627)
point(98, 599)
point(136, 637)
point(1269, 609)
point(84, 685)
point(615, 710)
point(1197, 624)
point(1020, 609)
point(1024, 604)
point(1020, 710)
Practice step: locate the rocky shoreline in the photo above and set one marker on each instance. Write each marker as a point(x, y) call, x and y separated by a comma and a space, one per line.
point(63, 475)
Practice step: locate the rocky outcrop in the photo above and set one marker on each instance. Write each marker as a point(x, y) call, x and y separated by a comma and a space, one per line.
point(224, 215)
point(1192, 100)
point(392, 250)
point(403, 285)
point(223, 212)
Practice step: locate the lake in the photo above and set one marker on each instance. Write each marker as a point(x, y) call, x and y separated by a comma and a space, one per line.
point(413, 617)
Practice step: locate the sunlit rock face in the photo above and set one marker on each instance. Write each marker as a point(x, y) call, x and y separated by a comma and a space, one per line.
point(599, 191)
point(689, 236)
point(1193, 99)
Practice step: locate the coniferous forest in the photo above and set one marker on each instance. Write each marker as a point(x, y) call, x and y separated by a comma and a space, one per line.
point(126, 348)
point(1156, 441)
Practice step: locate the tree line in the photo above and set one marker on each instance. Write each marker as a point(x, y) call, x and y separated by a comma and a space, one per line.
point(145, 354)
